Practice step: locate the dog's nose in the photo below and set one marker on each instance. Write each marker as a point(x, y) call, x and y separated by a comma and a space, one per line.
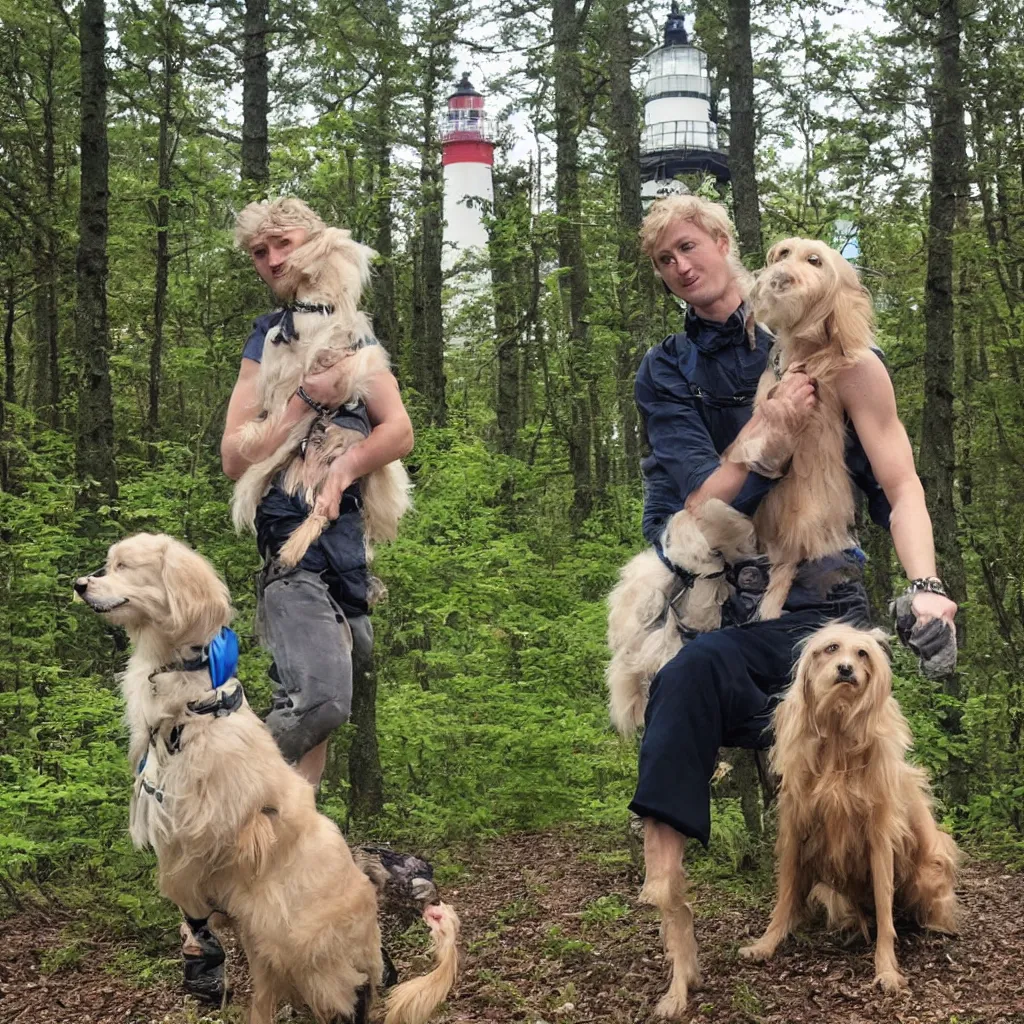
point(845, 670)
point(781, 279)
point(81, 584)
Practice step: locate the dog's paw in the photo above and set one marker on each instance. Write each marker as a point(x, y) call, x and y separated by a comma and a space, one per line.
point(891, 981)
point(672, 1005)
point(758, 951)
point(292, 551)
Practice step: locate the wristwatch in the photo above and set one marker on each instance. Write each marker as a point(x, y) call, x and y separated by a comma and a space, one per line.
point(927, 585)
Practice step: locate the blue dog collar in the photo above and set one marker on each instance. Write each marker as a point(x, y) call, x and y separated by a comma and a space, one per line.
point(222, 655)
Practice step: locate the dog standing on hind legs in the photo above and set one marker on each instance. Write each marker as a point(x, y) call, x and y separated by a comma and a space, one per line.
point(855, 818)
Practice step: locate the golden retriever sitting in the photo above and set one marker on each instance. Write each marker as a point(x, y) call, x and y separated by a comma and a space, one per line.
point(855, 818)
point(822, 318)
point(652, 610)
point(326, 275)
point(234, 827)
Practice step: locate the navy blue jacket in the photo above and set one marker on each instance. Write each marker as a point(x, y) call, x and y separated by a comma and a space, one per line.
point(340, 553)
point(695, 392)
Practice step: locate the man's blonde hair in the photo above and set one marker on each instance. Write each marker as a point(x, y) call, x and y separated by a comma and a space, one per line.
point(274, 216)
point(710, 217)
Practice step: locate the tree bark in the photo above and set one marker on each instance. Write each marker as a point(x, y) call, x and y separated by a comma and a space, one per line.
point(94, 450)
point(428, 332)
point(636, 280)
point(938, 447)
point(508, 255)
point(742, 134)
point(573, 278)
point(255, 96)
point(366, 777)
point(163, 208)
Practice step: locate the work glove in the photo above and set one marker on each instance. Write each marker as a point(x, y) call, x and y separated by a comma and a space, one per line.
point(934, 641)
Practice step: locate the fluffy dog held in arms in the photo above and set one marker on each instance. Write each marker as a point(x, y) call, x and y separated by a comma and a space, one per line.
point(322, 284)
point(234, 826)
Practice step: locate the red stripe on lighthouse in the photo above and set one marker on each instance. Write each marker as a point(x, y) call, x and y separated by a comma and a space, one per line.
point(468, 152)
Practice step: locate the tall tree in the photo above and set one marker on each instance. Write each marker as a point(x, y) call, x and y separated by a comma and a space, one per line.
point(573, 278)
point(946, 192)
point(255, 95)
point(438, 28)
point(94, 449)
point(743, 134)
point(635, 280)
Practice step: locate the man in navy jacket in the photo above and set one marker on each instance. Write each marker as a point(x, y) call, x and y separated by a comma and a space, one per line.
point(695, 394)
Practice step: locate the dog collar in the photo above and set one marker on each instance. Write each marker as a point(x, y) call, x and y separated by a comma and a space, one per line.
point(219, 656)
point(286, 332)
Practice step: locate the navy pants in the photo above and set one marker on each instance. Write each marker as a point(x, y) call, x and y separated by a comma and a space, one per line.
point(720, 690)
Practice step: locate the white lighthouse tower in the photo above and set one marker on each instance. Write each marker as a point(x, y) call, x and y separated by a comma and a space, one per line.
point(467, 155)
point(679, 136)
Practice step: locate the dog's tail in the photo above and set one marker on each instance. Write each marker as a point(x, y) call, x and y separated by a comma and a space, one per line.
point(306, 533)
point(386, 498)
point(415, 1000)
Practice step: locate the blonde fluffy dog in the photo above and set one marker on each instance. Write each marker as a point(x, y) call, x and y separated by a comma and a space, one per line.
point(327, 272)
point(822, 318)
point(650, 610)
point(234, 827)
point(855, 818)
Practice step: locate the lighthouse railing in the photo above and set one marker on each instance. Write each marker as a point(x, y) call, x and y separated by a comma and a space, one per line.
point(688, 135)
point(677, 85)
point(460, 126)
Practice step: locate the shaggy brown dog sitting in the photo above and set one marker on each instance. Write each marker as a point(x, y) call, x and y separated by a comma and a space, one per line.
point(855, 817)
point(235, 828)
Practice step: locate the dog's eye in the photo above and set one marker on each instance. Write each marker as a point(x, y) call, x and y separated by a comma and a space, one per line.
point(862, 654)
point(832, 648)
point(814, 259)
point(781, 255)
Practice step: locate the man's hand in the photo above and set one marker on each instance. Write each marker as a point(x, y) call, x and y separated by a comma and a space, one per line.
point(924, 622)
point(339, 479)
point(765, 445)
point(327, 386)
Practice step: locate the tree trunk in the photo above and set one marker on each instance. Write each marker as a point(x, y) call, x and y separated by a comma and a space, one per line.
point(938, 449)
point(510, 272)
point(8, 396)
point(255, 96)
point(573, 280)
point(428, 332)
point(635, 277)
point(365, 775)
point(742, 134)
point(94, 450)
point(163, 213)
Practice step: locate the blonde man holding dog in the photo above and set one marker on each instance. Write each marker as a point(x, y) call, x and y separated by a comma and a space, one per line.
point(695, 393)
point(314, 618)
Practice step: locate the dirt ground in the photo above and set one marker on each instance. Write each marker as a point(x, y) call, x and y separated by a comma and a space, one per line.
point(552, 934)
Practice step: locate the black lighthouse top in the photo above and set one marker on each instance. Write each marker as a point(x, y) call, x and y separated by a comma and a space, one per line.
point(465, 87)
point(675, 33)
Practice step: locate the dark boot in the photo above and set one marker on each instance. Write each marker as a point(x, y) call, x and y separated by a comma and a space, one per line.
point(204, 963)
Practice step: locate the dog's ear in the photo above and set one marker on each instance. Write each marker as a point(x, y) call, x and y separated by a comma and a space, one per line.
point(850, 323)
point(198, 602)
point(882, 639)
point(256, 839)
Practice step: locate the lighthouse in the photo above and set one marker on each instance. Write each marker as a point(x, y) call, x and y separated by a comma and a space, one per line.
point(679, 135)
point(467, 156)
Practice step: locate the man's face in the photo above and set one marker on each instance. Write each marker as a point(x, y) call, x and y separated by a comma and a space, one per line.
point(270, 252)
point(693, 264)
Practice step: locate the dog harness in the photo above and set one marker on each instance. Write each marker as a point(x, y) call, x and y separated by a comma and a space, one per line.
point(220, 658)
point(286, 332)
